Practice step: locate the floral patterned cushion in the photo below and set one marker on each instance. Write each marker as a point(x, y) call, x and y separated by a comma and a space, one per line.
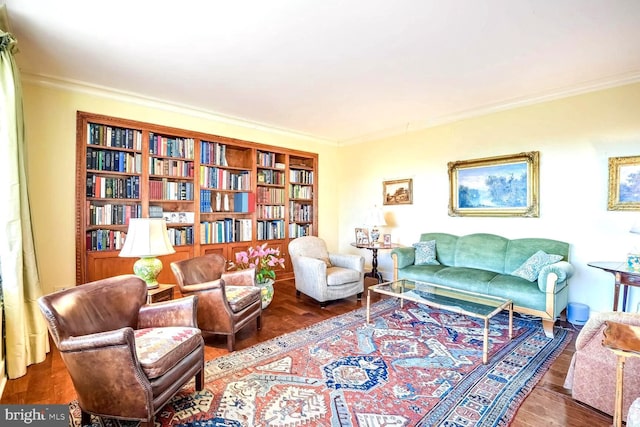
point(240, 297)
point(159, 349)
point(530, 269)
point(426, 253)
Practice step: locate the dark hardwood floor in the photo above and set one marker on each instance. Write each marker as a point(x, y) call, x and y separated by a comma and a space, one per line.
point(549, 404)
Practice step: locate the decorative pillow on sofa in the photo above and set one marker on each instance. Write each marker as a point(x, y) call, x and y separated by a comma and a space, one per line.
point(530, 269)
point(426, 253)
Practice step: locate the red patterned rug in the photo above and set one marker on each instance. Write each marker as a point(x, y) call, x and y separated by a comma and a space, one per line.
point(414, 366)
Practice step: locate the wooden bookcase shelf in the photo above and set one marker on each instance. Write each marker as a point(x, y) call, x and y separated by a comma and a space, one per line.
point(218, 194)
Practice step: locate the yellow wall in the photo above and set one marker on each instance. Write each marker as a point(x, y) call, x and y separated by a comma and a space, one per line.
point(50, 116)
point(575, 137)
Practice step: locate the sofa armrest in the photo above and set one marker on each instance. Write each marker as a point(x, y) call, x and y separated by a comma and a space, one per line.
point(350, 261)
point(552, 274)
point(404, 257)
point(177, 312)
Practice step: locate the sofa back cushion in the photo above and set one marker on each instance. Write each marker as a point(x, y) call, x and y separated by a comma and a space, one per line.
point(520, 250)
point(490, 252)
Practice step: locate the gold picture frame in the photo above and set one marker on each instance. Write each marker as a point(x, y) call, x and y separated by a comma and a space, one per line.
point(397, 192)
point(498, 186)
point(624, 183)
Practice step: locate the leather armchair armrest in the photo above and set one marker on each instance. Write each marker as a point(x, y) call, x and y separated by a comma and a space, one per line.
point(552, 274)
point(177, 312)
point(404, 256)
point(245, 277)
point(214, 284)
point(350, 261)
point(98, 341)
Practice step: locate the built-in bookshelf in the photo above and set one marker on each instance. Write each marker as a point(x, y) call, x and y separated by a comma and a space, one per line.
point(217, 194)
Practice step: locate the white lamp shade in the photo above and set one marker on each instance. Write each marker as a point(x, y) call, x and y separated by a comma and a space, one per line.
point(147, 237)
point(376, 218)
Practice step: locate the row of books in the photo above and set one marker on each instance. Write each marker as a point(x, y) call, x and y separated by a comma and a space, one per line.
point(171, 167)
point(226, 230)
point(301, 176)
point(180, 235)
point(160, 145)
point(266, 159)
point(300, 212)
point(268, 176)
point(213, 153)
point(211, 201)
point(270, 229)
point(267, 195)
point(298, 230)
point(300, 192)
point(270, 211)
point(112, 214)
point(113, 188)
point(110, 136)
point(224, 179)
point(114, 161)
point(105, 240)
point(170, 190)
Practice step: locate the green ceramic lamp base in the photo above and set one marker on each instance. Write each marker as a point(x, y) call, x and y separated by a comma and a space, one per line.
point(148, 268)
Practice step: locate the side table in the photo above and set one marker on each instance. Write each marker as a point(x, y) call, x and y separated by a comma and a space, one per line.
point(624, 341)
point(624, 276)
point(161, 293)
point(374, 273)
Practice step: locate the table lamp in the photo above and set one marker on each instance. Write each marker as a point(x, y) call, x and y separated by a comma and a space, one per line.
point(147, 238)
point(376, 219)
point(633, 257)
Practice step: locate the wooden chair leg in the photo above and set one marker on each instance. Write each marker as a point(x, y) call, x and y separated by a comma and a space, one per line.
point(298, 293)
point(359, 296)
point(200, 380)
point(231, 342)
point(85, 418)
point(259, 322)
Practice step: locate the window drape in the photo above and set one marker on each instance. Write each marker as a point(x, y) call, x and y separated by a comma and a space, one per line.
point(26, 340)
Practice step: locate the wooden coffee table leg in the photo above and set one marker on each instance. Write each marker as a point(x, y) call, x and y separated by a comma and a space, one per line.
point(485, 342)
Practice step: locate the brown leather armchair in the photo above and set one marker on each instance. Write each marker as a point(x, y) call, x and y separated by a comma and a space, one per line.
point(126, 359)
point(227, 301)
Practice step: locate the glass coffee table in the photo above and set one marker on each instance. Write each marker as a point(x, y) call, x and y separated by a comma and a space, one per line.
point(442, 297)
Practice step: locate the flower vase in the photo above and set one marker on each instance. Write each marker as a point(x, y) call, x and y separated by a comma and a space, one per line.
point(266, 292)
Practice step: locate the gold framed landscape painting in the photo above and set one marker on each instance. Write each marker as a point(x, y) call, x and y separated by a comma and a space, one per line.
point(624, 183)
point(495, 186)
point(397, 192)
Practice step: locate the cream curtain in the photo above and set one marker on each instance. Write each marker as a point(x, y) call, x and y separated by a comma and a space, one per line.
point(26, 339)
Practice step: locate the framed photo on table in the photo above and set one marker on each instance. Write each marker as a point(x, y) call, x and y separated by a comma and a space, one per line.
point(362, 236)
point(386, 240)
point(624, 183)
point(495, 186)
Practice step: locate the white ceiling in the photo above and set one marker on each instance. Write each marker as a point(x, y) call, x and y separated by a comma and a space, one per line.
point(336, 70)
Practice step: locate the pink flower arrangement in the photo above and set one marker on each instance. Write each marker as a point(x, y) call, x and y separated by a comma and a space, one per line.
point(262, 258)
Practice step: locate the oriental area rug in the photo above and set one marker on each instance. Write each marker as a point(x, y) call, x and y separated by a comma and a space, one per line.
point(411, 366)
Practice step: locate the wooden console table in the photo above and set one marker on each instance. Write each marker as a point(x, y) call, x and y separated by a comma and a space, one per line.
point(374, 273)
point(624, 276)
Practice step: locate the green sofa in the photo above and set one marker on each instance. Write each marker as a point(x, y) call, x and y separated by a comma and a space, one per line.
point(483, 263)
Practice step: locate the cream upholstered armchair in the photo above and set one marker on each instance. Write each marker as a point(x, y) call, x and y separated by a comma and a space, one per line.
point(322, 275)
point(126, 359)
point(592, 372)
point(227, 300)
